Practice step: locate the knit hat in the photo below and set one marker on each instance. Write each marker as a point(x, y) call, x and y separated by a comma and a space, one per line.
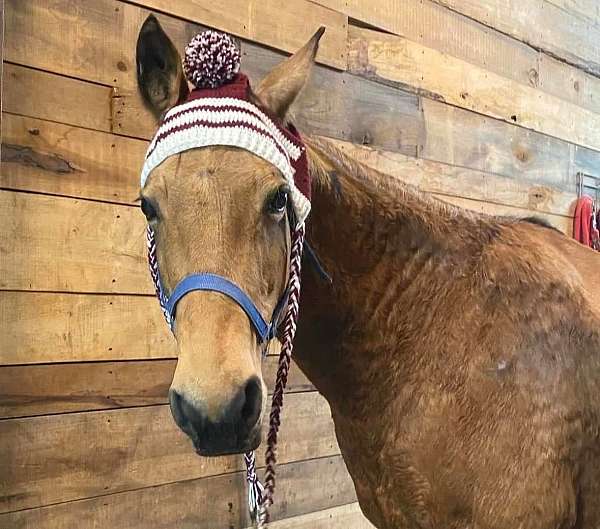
point(220, 111)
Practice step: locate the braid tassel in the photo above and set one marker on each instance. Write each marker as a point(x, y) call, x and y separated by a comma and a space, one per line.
point(289, 331)
point(255, 488)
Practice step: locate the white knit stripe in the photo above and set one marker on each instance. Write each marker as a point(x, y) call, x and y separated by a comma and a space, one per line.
point(211, 116)
point(238, 136)
point(292, 149)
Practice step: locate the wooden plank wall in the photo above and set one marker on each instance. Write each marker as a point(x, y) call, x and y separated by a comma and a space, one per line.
point(488, 104)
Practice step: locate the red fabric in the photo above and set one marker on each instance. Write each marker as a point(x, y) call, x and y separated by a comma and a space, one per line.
point(582, 223)
point(238, 87)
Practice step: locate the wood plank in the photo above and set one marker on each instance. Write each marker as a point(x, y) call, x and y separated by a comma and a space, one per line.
point(359, 111)
point(329, 107)
point(381, 56)
point(564, 35)
point(211, 503)
point(47, 96)
point(105, 452)
point(103, 53)
point(567, 82)
point(458, 137)
point(42, 327)
point(60, 244)
point(64, 160)
point(587, 9)
point(111, 60)
point(442, 179)
point(253, 20)
point(427, 23)
point(32, 390)
point(585, 161)
point(343, 517)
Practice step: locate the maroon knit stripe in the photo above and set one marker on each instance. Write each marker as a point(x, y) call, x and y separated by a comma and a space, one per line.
point(211, 125)
point(210, 108)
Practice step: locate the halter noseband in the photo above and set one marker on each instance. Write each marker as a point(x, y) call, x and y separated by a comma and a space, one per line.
point(209, 282)
point(216, 283)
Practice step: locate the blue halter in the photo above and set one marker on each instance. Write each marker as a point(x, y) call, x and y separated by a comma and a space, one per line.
point(216, 283)
point(212, 283)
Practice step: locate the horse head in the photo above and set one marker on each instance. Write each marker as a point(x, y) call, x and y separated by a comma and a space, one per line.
point(223, 210)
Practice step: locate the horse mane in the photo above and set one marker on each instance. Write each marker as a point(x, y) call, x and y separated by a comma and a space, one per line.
point(395, 195)
point(538, 221)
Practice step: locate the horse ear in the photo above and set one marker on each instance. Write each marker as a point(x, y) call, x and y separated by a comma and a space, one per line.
point(159, 71)
point(280, 87)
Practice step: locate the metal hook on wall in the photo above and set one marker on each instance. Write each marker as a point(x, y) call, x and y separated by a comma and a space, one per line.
point(588, 184)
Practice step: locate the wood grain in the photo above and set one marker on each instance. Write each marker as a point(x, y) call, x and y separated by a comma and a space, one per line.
point(32, 390)
point(458, 137)
point(253, 20)
point(61, 244)
point(450, 180)
point(111, 61)
point(587, 9)
point(103, 53)
point(343, 517)
point(426, 22)
point(434, 74)
point(47, 96)
point(564, 35)
point(104, 452)
point(215, 502)
point(64, 160)
point(40, 327)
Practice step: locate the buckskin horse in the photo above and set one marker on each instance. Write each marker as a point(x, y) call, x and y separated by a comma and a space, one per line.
point(459, 352)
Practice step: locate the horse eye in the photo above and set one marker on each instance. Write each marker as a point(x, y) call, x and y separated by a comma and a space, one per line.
point(278, 201)
point(148, 210)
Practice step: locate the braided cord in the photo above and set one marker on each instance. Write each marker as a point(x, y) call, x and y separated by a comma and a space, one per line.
point(155, 274)
point(285, 356)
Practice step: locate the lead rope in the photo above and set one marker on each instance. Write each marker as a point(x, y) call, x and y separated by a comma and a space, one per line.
point(259, 498)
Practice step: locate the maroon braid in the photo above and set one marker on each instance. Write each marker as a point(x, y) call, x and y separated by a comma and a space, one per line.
point(285, 356)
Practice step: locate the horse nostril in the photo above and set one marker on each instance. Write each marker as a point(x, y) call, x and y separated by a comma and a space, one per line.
point(251, 409)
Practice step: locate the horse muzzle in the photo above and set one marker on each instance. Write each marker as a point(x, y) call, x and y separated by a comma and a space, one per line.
point(236, 430)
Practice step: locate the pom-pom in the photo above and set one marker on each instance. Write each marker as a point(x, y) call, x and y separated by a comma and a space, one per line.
point(211, 59)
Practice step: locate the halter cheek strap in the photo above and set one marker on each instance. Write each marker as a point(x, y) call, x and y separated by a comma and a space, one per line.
point(216, 283)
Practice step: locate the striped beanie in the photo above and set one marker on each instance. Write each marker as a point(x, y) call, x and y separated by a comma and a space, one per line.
point(221, 111)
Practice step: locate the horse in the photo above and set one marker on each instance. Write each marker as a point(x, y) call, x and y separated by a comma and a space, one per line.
point(459, 352)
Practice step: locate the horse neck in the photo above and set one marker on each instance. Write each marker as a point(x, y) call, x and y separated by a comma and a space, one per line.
point(386, 246)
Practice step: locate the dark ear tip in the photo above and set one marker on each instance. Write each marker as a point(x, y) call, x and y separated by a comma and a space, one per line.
point(319, 33)
point(151, 23)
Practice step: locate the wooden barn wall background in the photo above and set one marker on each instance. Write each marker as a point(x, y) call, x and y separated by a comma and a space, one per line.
point(489, 104)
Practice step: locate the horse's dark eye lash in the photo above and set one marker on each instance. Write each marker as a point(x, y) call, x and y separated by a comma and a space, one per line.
point(148, 209)
point(278, 200)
